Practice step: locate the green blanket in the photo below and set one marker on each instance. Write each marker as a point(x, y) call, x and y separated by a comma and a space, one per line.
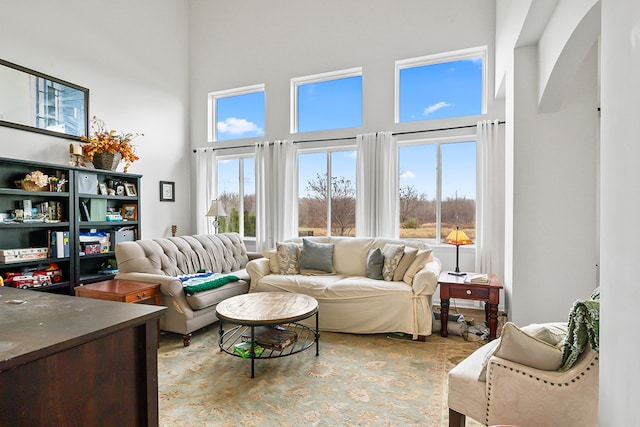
point(584, 328)
point(204, 282)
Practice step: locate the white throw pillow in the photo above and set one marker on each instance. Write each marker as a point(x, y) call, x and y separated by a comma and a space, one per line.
point(422, 258)
point(409, 256)
point(272, 256)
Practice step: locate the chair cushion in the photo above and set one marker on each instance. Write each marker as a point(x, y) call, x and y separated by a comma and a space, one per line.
point(466, 394)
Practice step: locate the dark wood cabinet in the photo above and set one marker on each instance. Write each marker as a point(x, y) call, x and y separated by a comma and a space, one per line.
point(77, 361)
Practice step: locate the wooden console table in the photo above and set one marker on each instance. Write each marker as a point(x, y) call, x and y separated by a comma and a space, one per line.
point(452, 286)
point(77, 361)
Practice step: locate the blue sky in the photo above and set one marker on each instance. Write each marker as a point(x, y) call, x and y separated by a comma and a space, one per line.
point(429, 92)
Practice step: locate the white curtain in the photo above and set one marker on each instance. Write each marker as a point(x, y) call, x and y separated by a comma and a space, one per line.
point(206, 188)
point(377, 191)
point(489, 199)
point(276, 193)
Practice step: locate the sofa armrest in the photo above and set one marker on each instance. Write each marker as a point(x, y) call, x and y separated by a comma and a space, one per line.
point(170, 287)
point(257, 269)
point(254, 255)
point(425, 281)
point(552, 397)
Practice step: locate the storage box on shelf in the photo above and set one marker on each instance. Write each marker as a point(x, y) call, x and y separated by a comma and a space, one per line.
point(31, 214)
point(108, 207)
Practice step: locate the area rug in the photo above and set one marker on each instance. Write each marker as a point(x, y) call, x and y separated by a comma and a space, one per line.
point(357, 380)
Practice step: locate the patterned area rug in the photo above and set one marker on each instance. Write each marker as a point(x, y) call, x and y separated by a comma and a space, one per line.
point(357, 380)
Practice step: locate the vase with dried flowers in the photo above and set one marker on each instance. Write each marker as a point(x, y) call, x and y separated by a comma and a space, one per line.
point(107, 148)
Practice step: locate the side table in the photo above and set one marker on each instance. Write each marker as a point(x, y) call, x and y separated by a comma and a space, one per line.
point(452, 286)
point(121, 290)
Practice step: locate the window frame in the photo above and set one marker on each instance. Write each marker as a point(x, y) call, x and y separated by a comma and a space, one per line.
point(241, 187)
point(439, 141)
point(296, 82)
point(212, 102)
point(440, 58)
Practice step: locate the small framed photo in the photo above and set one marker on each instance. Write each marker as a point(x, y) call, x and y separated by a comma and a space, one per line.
point(167, 191)
point(130, 189)
point(103, 188)
point(130, 212)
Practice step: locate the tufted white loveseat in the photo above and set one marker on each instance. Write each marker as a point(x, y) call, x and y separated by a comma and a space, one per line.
point(162, 260)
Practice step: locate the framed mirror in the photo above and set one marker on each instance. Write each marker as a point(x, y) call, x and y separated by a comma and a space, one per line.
point(36, 102)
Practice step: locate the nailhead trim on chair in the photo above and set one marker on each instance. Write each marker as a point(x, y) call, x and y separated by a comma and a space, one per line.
point(490, 384)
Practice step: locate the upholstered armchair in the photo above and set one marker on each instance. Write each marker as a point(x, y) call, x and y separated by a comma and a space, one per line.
point(516, 394)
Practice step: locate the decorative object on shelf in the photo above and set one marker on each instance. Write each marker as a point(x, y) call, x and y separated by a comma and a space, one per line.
point(130, 212)
point(167, 191)
point(130, 189)
point(34, 181)
point(215, 210)
point(75, 155)
point(458, 238)
point(106, 148)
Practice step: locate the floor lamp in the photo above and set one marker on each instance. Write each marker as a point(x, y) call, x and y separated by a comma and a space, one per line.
point(459, 238)
point(215, 210)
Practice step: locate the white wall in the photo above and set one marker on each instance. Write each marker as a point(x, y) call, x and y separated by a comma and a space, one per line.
point(620, 151)
point(133, 57)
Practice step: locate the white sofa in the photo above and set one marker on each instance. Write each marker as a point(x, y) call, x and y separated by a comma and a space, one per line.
point(348, 300)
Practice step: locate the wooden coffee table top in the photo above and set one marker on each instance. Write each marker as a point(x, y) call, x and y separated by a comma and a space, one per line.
point(262, 308)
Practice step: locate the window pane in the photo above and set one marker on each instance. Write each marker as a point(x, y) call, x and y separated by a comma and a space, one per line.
point(331, 104)
point(418, 183)
point(437, 91)
point(312, 196)
point(249, 197)
point(229, 194)
point(459, 188)
point(343, 193)
point(240, 116)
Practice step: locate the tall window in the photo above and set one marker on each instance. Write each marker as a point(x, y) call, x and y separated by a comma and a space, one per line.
point(327, 207)
point(437, 189)
point(237, 192)
point(441, 86)
point(327, 101)
point(236, 113)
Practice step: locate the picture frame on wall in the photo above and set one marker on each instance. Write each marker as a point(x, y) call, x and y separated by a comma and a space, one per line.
point(167, 191)
point(130, 189)
point(129, 212)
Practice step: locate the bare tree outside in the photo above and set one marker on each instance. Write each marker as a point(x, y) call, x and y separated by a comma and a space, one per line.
point(343, 204)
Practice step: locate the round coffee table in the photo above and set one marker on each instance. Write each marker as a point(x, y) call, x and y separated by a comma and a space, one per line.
point(271, 317)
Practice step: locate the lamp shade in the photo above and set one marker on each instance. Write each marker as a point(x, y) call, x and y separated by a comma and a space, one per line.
point(216, 209)
point(458, 237)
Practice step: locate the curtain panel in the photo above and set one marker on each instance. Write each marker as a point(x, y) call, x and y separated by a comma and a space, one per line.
point(276, 193)
point(377, 181)
point(206, 189)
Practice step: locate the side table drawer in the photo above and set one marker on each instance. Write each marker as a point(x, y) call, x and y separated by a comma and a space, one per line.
point(467, 292)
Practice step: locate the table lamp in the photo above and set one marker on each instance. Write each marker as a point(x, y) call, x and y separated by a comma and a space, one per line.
point(216, 210)
point(458, 237)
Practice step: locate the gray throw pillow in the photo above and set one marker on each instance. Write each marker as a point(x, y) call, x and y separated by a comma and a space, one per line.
point(316, 256)
point(375, 260)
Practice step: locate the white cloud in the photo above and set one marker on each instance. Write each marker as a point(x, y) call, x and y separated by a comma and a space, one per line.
point(351, 155)
point(234, 126)
point(435, 107)
point(408, 175)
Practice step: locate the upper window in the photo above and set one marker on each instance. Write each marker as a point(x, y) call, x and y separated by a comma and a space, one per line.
point(441, 86)
point(327, 101)
point(236, 113)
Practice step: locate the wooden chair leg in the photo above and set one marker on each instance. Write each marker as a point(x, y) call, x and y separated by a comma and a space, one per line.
point(456, 419)
point(186, 340)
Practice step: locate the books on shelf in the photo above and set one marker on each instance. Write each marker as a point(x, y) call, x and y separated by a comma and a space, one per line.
point(477, 278)
point(59, 244)
point(272, 338)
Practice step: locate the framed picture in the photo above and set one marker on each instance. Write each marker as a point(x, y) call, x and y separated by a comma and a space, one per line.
point(130, 212)
point(167, 191)
point(130, 189)
point(103, 188)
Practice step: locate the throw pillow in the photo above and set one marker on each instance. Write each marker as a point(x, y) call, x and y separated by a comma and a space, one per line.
point(406, 261)
point(422, 258)
point(316, 256)
point(288, 258)
point(272, 256)
point(392, 254)
point(375, 260)
point(528, 349)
